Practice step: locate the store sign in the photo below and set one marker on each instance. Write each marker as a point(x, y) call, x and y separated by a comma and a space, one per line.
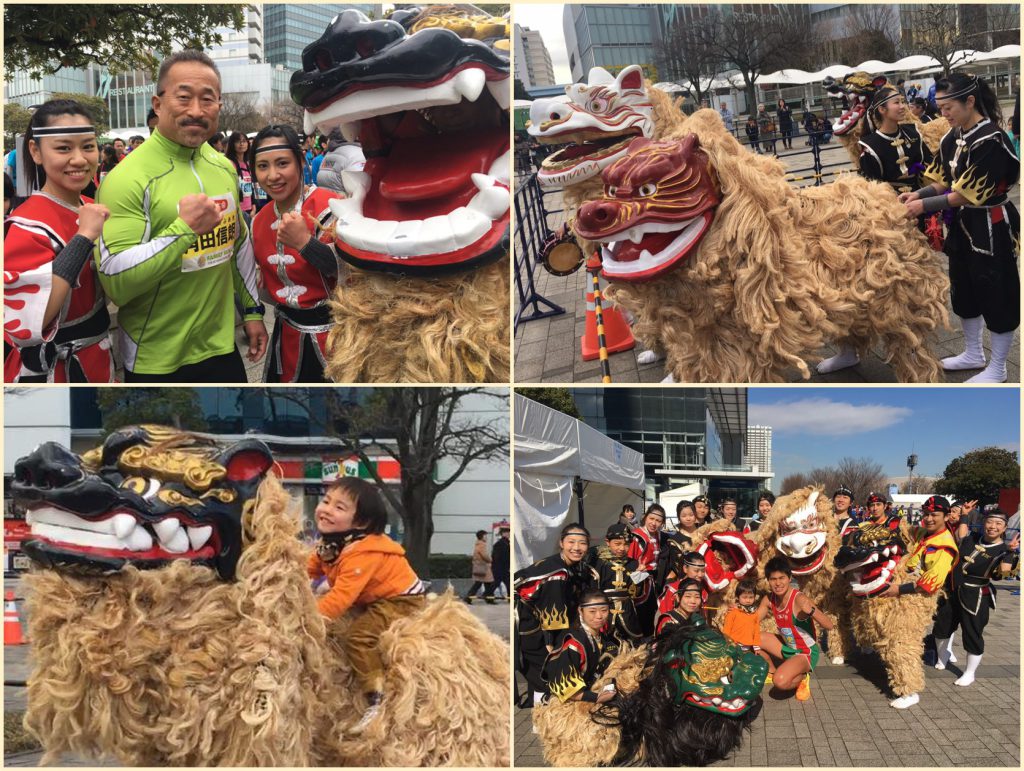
point(104, 91)
point(387, 468)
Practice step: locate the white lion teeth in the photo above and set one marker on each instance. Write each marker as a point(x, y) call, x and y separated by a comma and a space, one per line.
point(350, 130)
point(197, 536)
point(356, 183)
point(139, 540)
point(499, 169)
point(470, 83)
point(308, 124)
point(172, 537)
point(123, 524)
point(716, 701)
point(492, 201)
point(500, 90)
point(635, 235)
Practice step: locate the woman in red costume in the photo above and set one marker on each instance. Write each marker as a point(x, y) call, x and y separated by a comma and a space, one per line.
point(55, 314)
point(294, 245)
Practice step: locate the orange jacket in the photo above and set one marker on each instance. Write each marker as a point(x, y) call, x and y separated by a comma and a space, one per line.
point(374, 568)
point(741, 627)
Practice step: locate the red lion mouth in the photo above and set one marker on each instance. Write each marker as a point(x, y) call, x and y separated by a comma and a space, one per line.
point(727, 555)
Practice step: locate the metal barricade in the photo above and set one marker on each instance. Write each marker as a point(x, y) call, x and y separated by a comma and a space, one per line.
point(532, 232)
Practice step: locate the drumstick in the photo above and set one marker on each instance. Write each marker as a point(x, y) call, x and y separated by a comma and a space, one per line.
point(602, 346)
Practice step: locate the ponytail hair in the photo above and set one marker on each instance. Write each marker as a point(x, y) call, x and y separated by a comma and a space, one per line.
point(40, 119)
point(960, 86)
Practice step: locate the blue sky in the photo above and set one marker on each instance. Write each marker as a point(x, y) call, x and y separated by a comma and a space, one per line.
point(818, 426)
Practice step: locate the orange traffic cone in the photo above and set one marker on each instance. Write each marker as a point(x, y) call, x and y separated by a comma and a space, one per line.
point(12, 624)
point(617, 335)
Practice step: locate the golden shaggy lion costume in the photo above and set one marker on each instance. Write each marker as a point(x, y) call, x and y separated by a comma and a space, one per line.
point(175, 666)
point(825, 586)
point(896, 628)
point(393, 329)
point(781, 272)
point(568, 736)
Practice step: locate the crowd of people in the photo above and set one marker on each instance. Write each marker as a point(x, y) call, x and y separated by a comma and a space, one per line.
point(178, 232)
point(580, 607)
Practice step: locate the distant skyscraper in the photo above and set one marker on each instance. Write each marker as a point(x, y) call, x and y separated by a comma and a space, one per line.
point(290, 28)
point(244, 46)
point(759, 448)
point(533, 62)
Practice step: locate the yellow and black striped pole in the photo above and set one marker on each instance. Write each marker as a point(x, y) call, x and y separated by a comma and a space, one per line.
point(594, 269)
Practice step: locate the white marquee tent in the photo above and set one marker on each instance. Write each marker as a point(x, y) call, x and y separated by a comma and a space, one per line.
point(551, 450)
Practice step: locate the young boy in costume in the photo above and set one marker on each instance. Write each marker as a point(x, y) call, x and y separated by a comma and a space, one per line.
point(364, 568)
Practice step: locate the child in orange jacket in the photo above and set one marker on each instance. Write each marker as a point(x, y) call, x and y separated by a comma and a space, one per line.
point(364, 568)
point(741, 624)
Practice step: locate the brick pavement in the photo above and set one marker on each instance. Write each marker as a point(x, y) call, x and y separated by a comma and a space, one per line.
point(548, 350)
point(848, 720)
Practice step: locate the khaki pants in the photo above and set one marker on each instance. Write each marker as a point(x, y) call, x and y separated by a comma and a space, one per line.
point(361, 642)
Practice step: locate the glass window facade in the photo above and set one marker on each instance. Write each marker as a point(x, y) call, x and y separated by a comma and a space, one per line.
point(287, 29)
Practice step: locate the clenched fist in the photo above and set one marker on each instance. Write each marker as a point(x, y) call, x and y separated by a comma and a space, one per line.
point(91, 217)
point(200, 213)
point(292, 230)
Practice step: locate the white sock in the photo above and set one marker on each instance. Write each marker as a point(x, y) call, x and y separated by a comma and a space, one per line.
point(847, 357)
point(941, 653)
point(973, 356)
point(668, 378)
point(995, 372)
point(972, 665)
point(646, 357)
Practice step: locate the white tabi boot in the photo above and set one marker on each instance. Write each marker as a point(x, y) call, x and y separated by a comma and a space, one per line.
point(995, 372)
point(968, 676)
point(941, 653)
point(847, 357)
point(974, 356)
point(951, 659)
point(904, 702)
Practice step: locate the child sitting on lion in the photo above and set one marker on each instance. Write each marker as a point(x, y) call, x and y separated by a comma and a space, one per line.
point(364, 568)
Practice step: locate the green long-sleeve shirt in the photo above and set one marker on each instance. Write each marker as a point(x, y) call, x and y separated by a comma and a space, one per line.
point(175, 291)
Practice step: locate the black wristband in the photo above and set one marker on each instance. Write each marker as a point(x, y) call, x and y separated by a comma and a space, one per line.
point(72, 258)
point(588, 695)
point(320, 256)
point(908, 588)
point(260, 309)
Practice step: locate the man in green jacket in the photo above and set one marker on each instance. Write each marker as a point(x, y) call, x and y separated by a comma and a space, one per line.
point(175, 254)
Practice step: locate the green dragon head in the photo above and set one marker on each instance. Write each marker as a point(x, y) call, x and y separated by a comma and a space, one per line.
point(712, 673)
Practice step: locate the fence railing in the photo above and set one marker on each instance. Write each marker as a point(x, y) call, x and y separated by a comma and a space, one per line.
point(532, 232)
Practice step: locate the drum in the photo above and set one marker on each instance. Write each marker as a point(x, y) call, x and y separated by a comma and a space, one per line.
point(561, 255)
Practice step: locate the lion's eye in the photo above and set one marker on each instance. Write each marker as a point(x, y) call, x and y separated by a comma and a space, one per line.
point(647, 189)
point(147, 488)
point(610, 191)
point(598, 104)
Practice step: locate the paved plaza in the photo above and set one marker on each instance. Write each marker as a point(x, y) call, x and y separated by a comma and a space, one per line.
point(548, 350)
point(848, 720)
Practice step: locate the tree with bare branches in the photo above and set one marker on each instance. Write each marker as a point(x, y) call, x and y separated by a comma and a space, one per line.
point(794, 482)
point(286, 112)
point(946, 32)
point(757, 39)
point(917, 486)
point(239, 112)
point(871, 32)
point(862, 475)
point(684, 56)
point(431, 432)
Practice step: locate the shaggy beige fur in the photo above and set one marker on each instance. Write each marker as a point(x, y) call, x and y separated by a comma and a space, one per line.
point(176, 667)
point(782, 272)
point(390, 329)
point(896, 627)
point(568, 735)
point(826, 588)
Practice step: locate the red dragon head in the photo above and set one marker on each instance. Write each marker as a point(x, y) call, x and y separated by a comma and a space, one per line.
point(727, 555)
point(659, 201)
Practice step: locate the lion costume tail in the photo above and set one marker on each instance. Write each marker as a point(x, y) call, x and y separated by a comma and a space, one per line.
point(446, 693)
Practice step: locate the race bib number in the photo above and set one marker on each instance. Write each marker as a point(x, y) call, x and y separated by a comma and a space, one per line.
point(218, 246)
point(246, 187)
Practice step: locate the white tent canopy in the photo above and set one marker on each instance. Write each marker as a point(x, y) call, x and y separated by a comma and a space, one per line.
point(551, 450)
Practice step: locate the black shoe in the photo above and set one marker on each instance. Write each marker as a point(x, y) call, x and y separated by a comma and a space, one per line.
point(489, 600)
point(468, 600)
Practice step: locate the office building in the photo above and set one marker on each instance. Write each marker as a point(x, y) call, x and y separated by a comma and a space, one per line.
point(759, 448)
point(685, 435)
point(290, 28)
point(533, 62)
